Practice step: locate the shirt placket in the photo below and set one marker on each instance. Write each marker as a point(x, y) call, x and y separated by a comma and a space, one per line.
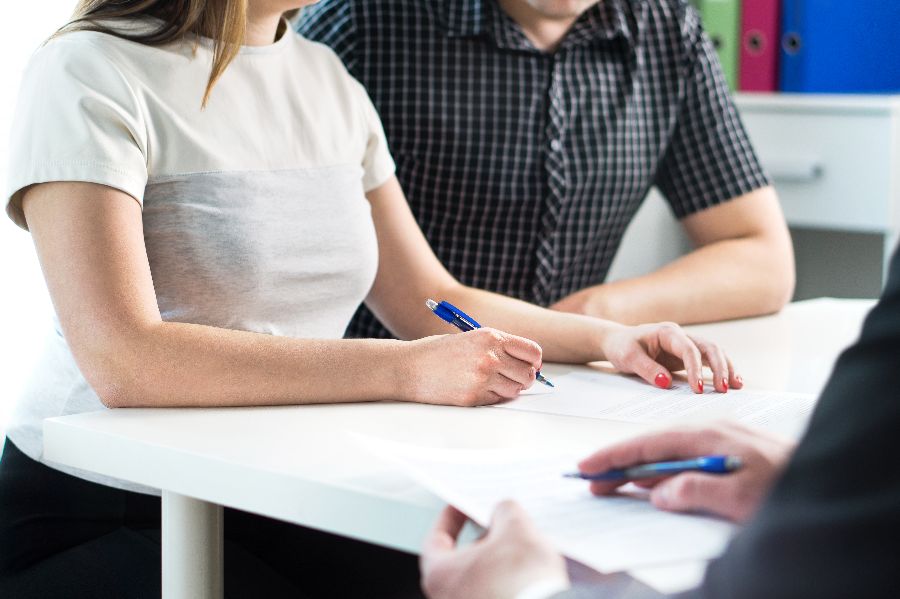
point(556, 183)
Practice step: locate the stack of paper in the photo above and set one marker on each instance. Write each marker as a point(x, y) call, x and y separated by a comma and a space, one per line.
point(608, 534)
point(628, 399)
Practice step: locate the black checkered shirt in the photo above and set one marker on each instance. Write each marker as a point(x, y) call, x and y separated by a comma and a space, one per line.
point(524, 167)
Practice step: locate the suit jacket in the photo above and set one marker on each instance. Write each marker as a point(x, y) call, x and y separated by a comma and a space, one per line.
point(831, 526)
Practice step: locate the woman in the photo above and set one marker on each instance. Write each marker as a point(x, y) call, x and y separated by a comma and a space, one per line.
point(206, 234)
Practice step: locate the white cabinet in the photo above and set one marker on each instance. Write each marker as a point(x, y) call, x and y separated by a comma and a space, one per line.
point(835, 161)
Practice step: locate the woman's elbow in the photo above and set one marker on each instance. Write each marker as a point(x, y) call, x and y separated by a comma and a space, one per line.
point(115, 379)
point(114, 395)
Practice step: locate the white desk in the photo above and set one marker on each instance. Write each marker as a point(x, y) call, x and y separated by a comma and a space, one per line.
point(298, 464)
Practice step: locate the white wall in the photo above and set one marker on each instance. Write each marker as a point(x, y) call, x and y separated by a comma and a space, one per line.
point(24, 305)
point(652, 239)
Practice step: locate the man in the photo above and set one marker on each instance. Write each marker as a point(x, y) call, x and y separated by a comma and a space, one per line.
point(528, 132)
point(829, 528)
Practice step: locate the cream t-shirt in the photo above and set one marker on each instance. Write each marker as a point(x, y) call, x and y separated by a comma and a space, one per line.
point(254, 210)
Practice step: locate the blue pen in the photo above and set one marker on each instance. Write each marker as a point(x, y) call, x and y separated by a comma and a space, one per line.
point(713, 464)
point(462, 321)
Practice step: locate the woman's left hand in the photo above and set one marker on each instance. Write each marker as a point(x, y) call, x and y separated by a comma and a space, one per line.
point(654, 351)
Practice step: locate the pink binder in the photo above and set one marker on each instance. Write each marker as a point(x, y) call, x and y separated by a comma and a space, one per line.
point(760, 32)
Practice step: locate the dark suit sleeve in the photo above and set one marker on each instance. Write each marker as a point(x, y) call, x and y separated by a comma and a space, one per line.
point(831, 527)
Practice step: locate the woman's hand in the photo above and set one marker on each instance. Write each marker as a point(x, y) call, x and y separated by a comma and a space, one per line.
point(735, 496)
point(476, 368)
point(654, 351)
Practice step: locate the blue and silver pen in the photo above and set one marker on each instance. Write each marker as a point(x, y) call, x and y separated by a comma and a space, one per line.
point(713, 464)
point(462, 321)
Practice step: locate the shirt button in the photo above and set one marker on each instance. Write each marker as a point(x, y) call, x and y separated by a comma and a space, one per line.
point(555, 145)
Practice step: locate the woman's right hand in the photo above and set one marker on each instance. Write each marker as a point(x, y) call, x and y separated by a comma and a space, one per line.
point(480, 367)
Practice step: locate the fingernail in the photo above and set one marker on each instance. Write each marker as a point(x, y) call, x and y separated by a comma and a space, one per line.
point(739, 379)
point(700, 386)
point(725, 385)
point(662, 380)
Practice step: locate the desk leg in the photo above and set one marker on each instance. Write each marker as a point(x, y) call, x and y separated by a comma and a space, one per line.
point(192, 548)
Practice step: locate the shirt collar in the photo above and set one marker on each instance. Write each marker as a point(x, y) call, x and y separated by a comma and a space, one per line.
point(607, 21)
point(463, 18)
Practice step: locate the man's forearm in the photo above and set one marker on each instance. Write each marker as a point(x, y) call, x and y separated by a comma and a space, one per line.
point(728, 279)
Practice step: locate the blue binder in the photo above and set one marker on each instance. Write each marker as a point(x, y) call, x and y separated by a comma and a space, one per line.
point(841, 46)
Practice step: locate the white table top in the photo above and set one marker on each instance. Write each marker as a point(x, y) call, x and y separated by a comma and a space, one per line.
point(300, 464)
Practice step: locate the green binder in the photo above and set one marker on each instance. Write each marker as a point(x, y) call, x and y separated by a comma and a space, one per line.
point(722, 21)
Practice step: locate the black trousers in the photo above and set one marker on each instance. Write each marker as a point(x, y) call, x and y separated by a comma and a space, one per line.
point(61, 536)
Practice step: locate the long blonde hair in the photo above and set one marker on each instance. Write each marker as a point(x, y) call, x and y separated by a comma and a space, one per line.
point(222, 21)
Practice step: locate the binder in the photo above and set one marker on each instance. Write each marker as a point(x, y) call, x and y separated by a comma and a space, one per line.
point(760, 45)
point(836, 46)
point(722, 21)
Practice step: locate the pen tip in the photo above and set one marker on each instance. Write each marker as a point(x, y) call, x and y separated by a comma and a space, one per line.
point(544, 380)
point(733, 462)
point(431, 304)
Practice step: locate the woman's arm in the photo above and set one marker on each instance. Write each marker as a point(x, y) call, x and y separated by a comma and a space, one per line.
point(409, 273)
point(91, 246)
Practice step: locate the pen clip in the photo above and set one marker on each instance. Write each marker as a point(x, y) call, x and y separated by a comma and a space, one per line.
point(461, 315)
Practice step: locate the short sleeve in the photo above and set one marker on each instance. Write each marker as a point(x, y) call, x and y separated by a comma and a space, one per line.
point(77, 119)
point(378, 165)
point(709, 159)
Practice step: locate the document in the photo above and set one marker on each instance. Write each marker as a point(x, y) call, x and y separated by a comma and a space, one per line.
point(629, 399)
point(608, 534)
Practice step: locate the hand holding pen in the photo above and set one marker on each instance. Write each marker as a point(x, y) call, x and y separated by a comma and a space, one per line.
point(482, 367)
point(735, 469)
point(710, 464)
point(465, 323)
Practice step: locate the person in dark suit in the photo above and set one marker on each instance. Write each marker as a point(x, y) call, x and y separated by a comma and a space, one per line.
point(822, 521)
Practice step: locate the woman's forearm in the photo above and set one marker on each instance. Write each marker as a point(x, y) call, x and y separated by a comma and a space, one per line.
point(175, 364)
point(570, 338)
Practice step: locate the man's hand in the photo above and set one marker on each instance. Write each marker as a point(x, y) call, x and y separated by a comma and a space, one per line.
point(735, 496)
point(511, 557)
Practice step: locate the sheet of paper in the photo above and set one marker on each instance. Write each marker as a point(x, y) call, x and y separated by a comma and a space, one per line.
point(622, 398)
point(609, 534)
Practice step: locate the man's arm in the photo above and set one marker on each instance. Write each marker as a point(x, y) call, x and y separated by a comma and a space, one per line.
point(743, 266)
point(513, 561)
point(716, 186)
point(830, 527)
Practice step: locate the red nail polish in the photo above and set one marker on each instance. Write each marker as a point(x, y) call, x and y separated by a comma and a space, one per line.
point(725, 384)
point(700, 386)
point(662, 380)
